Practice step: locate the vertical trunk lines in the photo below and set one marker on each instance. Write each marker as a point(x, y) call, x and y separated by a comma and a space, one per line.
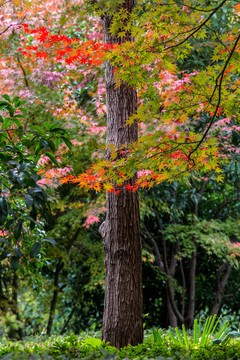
point(122, 318)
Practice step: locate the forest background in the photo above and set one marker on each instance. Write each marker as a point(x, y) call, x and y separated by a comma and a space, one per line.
point(52, 268)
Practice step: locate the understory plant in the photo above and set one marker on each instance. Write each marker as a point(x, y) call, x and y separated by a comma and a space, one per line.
point(207, 336)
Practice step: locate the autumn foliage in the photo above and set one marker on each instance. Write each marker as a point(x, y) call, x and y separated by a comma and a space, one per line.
point(170, 102)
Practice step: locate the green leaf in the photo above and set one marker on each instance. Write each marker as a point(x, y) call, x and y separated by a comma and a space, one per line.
point(157, 337)
point(180, 338)
point(28, 200)
point(67, 142)
point(52, 158)
point(35, 249)
point(4, 241)
point(37, 158)
point(38, 129)
point(93, 342)
point(234, 334)
point(51, 241)
point(16, 121)
point(47, 125)
point(38, 148)
point(6, 97)
point(6, 122)
point(11, 110)
point(17, 230)
point(18, 252)
point(3, 209)
point(51, 145)
point(4, 255)
point(59, 130)
point(57, 143)
point(3, 104)
point(217, 341)
point(14, 263)
point(16, 101)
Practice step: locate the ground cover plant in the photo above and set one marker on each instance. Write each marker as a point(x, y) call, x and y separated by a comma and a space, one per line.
point(157, 345)
point(119, 178)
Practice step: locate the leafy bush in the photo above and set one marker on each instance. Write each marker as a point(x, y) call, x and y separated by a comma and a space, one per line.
point(76, 347)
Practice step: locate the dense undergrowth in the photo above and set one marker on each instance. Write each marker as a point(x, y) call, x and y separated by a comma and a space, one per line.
point(82, 347)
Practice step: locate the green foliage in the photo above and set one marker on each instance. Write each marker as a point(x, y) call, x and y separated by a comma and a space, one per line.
point(9, 323)
point(21, 198)
point(204, 337)
point(85, 347)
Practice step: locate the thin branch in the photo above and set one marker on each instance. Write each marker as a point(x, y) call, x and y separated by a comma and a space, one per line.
point(13, 25)
point(156, 249)
point(198, 27)
point(199, 195)
point(184, 287)
point(24, 73)
point(169, 286)
point(219, 96)
point(225, 203)
point(193, 8)
point(5, 3)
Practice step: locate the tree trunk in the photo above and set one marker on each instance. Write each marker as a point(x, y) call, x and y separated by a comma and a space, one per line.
point(65, 326)
point(172, 319)
point(122, 318)
point(191, 290)
point(15, 334)
point(220, 285)
point(59, 267)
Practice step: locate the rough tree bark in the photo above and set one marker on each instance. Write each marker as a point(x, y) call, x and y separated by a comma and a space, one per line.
point(122, 318)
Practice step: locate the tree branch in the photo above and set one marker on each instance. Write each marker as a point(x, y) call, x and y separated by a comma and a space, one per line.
point(219, 86)
point(198, 27)
point(23, 71)
point(156, 249)
point(13, 25)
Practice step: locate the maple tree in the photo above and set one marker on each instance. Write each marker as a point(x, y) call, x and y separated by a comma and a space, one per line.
point(166, 148)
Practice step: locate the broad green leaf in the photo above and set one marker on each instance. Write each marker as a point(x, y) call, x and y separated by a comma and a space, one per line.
point(51, 241)
point(28, 200)
point(35, 249)
point(3, 104)
point(18, 252)
point(6, 97)
point(14, 263)
point(18, 230)
point(67, 142)
point(3, 209)
point(5, 254)
point(52, 157)
point(6, 123)
point(38, 129)
point(93, 342)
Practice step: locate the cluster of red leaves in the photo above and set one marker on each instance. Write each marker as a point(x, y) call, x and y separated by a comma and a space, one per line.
point(60, 47)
